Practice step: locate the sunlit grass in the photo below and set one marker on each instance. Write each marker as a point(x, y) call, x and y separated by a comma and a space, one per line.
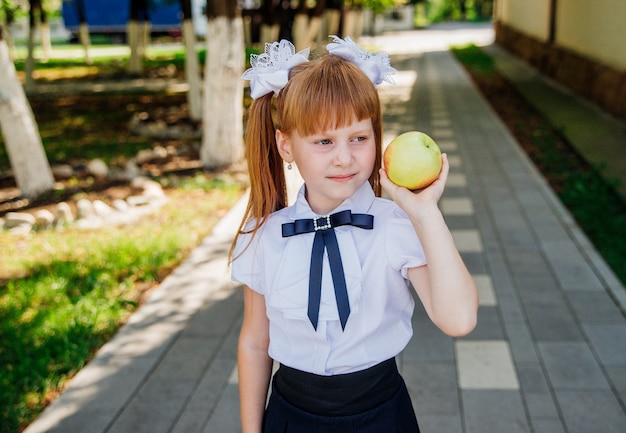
point(68, 61)
point(64, 293)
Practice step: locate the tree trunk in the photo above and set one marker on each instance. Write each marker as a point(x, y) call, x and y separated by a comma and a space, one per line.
point(300, 26)
point(270, 28)
point(145, 34)
point(37, 11)
point(135, 34)
point(83, 37)
point(9, 19)
point(135, 65)
point(44, 34)
point(192, 69)
point(463, 9)
point(333, 20)
point(21, 135)
point(222, 142)
point(305, 29)
point(29, 67)
point(83, 29)
point(352, 21)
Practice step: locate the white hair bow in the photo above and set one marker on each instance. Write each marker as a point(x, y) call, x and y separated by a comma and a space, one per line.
point(376, 66)
point(270, 70)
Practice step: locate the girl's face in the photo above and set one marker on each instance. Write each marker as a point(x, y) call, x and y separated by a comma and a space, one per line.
point(333, 163)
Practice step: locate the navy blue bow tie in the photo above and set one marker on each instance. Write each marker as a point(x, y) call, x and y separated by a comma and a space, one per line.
point(325, 238)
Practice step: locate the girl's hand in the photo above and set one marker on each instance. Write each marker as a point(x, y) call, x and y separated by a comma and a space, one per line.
point(418, 201)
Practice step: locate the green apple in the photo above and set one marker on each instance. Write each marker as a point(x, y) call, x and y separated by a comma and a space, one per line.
point(412, 160)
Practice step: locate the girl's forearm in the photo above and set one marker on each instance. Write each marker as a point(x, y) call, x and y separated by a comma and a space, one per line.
point(254, 370)
point(451, 291)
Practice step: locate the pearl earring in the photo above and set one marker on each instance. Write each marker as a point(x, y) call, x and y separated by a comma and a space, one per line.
point(289, 167)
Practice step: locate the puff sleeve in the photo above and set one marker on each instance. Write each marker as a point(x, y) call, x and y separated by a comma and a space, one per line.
point(247, 262)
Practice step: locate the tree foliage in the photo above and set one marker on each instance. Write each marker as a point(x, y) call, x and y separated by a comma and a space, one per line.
point(380, 6)
point(459, 10)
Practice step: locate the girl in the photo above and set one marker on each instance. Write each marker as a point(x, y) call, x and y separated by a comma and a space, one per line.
point(325, 280)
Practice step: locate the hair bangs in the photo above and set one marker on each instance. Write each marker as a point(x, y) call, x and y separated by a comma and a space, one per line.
point(315, 102)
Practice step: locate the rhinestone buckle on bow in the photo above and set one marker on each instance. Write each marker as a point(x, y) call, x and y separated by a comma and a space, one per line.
point(326, 219)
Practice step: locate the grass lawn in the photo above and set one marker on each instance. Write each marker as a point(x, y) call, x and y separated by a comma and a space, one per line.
point(63, 294)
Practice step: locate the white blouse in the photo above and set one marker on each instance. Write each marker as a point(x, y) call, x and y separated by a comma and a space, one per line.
point(375, 263)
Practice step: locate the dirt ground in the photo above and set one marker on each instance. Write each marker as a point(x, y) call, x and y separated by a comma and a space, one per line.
point(184, 162)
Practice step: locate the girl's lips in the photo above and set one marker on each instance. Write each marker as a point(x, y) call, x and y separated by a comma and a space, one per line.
point(342, 178)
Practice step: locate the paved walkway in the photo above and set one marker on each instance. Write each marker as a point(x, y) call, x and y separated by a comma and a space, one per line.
point(549, 352)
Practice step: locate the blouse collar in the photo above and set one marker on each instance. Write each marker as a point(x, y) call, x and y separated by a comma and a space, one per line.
point(360, 202)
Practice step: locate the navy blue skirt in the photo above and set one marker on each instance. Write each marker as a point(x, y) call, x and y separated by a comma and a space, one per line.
point(395, 415)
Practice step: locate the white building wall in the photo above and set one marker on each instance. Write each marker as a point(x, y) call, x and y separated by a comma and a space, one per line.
point(595, 29)
point(531, 17)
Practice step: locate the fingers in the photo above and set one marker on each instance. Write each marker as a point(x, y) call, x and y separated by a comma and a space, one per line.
point(445, 168)
point(384, 179)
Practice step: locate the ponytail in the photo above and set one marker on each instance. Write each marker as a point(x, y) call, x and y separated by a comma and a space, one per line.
point(268, 191)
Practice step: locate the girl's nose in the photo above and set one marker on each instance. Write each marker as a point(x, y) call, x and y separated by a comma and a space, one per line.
point(343, 155)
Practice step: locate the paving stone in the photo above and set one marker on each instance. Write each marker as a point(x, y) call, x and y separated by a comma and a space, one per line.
point(226, 415)
point(571, 365)
point(454, 160)
point(453, 191)
point(460, 222)
point(178, 365)
point(571, 267)
point(548, 425)
point(553, 323)
point(140, 416)
point(489, 326)
point(475, 262)
point(485, 365)
point(467, 241)
point(96, 394)
point(530, 264)
point(486, 293)
point(215, 318)
point(202, 402)
point(595, 307)
point(538, 291)
point(494, 411)
point(439, 423)
point(142, 341)
point(532, 377)
point(609, 342)
point(521, 342)
point(457, 206)
point(517, 238)
point(433, 387)
point(541, 405)
point(617, 375)
point(428, 344)
point(591, 411)
point(447, 145)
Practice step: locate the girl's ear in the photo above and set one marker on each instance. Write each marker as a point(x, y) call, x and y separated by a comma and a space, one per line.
point(284, 146)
